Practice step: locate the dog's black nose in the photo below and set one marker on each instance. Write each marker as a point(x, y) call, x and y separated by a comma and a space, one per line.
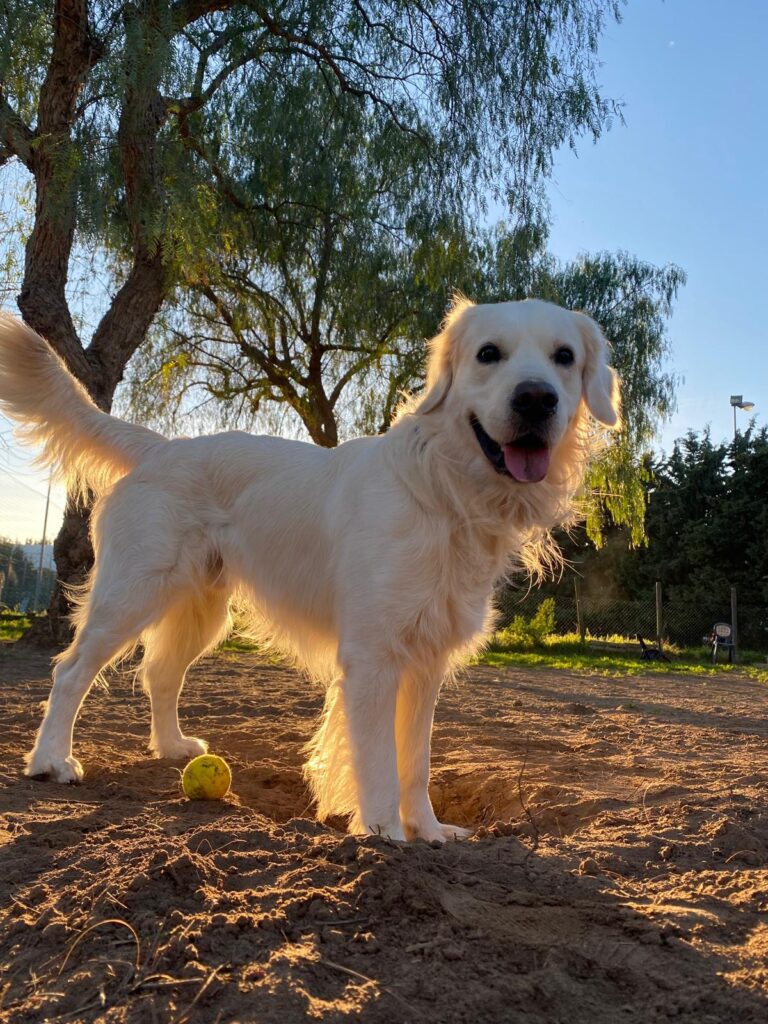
point(534, 400)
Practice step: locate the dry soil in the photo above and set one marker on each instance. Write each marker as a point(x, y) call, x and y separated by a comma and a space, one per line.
point(618, 872)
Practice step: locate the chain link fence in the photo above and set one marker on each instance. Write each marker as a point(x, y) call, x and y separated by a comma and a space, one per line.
point(682, 624)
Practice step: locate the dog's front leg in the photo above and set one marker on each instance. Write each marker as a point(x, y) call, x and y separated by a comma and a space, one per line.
point(416, 701)
point(369, 690)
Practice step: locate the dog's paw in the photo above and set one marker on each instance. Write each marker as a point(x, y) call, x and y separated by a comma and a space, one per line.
point(451, 832)
point(182, 749)
point(391, 830)
point(66, 770)
point(436, 832)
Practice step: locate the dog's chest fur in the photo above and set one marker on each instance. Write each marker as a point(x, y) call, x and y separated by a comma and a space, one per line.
point(456, 611)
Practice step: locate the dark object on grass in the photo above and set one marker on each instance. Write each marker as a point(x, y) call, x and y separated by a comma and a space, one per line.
point(648, 653)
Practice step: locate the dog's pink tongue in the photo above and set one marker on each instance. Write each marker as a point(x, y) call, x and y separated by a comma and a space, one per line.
point(526, 465)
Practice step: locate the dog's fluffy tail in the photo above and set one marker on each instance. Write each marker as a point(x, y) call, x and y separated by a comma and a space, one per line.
point(328, 771)
point(84, 445)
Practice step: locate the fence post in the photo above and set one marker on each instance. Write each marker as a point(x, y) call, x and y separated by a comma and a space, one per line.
point(734, 626)
point(581, 625)
point(659, 614)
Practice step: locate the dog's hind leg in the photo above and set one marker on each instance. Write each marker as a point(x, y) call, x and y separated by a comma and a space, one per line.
point(416, 701)
point(186, 632)
point(117, 610)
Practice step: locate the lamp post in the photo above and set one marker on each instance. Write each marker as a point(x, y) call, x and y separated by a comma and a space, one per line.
point(737, 402)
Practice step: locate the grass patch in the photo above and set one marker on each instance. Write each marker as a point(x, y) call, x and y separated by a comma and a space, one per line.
point(242, 645)
point(617, 659)
point(238, 645)
point(613, 657)
point(13, 625)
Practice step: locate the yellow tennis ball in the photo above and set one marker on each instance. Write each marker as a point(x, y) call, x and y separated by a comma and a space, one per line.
point(206, 777)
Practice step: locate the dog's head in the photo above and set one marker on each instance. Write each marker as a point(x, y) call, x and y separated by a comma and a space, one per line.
point(516, 377)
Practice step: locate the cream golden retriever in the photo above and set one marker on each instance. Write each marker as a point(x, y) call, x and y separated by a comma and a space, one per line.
point(373, 564)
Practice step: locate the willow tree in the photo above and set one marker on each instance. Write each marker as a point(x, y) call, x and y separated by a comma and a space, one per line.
point(131, 121)
point(632, 300)
point(334, 272)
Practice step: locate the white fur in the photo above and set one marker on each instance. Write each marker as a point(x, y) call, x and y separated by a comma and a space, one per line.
point(373, 564)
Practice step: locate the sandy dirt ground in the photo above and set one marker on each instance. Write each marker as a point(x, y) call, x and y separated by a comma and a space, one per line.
point(618, 872)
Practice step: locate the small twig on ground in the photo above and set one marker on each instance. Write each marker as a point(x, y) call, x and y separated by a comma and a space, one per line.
point(307, 808)
point(154, 982)
point(151, 957)
point(206, 984)
point(106, 894)
point(342, 920)
point(364, 977)
point(97, 1004)
point(526, 809)
point(101, 924)
point(740, 853)
point(214, 849)
point(645, 809)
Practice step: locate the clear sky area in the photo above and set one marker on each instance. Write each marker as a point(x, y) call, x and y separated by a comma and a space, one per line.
point(682, 181)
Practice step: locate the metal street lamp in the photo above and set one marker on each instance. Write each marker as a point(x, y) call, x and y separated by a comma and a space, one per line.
point(737, 401)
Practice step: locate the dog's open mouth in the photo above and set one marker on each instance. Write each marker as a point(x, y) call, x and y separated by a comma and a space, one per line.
point(526, 459)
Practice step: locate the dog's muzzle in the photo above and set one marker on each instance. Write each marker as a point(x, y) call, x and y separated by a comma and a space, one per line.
point(526, 456)
point(524, 459)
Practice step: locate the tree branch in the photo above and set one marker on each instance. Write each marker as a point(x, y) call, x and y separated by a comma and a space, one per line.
point(277, 377)
point(348, 375)
point(186, 12)
point(124, 326)
point(198, 99)
point(320, 54)
point(16, 136)
point(321, 277)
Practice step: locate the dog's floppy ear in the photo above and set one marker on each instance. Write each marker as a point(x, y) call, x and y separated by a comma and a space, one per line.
point(440, 358)
point(439, 372)
point(600, 381)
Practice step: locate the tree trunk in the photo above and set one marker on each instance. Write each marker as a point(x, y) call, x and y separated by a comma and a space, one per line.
point(322, 427)
point(73, 554)
point(43, 301)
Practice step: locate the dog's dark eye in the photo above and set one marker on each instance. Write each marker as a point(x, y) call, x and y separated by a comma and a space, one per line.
point(563, 356)
point(488, 354)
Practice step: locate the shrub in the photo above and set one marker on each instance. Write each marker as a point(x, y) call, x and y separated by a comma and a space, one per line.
point(522, 632)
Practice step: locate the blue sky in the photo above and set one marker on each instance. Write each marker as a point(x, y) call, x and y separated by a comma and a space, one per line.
point(683, 181)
